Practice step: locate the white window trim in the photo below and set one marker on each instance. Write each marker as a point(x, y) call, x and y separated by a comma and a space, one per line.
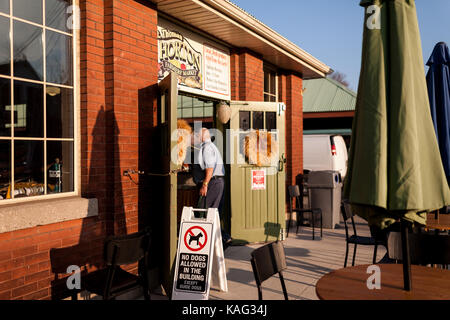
point(76, 108)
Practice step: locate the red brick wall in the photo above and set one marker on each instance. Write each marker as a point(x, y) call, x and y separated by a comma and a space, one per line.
point(118, 60)
point(247, 76)
point(294, 125)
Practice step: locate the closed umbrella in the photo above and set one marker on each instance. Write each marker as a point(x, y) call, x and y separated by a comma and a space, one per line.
point(395, 172)
point(438, 81)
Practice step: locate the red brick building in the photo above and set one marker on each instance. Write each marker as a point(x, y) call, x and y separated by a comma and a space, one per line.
point(87, 97)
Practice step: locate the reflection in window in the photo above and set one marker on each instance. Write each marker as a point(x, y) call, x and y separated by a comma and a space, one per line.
point(29, 108)
point(5, 107)
point(193, 109)
point(244, 120)
point(4, 6)
point(5, 53)
point(271, 121)
point(59, 58)
point(28, 10)
point(37, 135)
point(57, 14)
point(59, 166)
point(258, 120)
point(59, 112)
point(28, 52)
point(270, 85)
point(28, 168)
point(5, 169)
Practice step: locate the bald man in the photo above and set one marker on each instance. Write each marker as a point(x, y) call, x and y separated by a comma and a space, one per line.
point(208, 169)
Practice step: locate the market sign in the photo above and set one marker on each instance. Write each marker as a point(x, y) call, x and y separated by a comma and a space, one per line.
point(202, 66)
point(178, 55)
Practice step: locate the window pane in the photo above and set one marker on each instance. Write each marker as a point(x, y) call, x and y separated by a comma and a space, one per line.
point(59, 112)
point(5, 168)
point(5, 52)
point(59, 166)
point(271, 121)
point(28, 168)
point(28, 62)
point(272, 88)
point(266, 81)
point(258, 120)
point(28, 10)
point(56, 14)
point(244, 120)
point(28, 109)
point(59, 58)
point(5, 107)
point(4, 6)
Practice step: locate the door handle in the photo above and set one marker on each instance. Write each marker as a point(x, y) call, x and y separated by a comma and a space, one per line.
point(281, 163)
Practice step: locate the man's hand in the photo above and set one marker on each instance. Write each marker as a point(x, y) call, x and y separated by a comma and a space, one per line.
point(203, 190)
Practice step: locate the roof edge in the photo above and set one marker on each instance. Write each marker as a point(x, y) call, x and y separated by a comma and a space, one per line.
point(242, 17)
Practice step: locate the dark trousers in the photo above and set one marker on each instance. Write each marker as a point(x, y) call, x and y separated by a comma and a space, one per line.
point(214, 194)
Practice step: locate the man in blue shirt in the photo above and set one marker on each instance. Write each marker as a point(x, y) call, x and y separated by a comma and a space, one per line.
point(208, 172)
point(208, 169)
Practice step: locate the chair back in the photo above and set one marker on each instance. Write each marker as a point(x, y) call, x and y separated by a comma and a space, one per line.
point(347, 214)
point(295, 193)
point(424, 248)
point(267, 261)
point(127, 249)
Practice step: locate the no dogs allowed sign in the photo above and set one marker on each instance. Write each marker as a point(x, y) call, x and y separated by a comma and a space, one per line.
point(194, 254)
point(200, 256)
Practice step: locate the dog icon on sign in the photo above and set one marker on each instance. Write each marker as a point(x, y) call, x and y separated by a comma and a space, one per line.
point(195, 238)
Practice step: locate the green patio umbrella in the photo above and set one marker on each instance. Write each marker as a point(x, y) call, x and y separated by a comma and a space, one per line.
point(395, 170)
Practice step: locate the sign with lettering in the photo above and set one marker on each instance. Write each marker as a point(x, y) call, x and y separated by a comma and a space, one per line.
point(217, 70)
point(258, 180)
point(199, 252)
point(202, 66)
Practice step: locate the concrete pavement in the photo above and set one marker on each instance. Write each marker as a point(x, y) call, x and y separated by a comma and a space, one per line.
point(307, 261)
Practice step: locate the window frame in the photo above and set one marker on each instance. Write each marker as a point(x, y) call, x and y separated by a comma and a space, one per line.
point(270, 70)
point(75, 87)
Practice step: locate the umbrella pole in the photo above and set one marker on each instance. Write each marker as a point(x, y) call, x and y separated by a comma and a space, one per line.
point(405, 255)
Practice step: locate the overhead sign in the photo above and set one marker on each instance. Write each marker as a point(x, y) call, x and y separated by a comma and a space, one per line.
point(258, 180)
point(202, 66)
point(199, 252)
point(217, 70)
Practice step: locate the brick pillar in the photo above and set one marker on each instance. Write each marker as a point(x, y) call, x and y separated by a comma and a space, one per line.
point(247, 76)
point(292, 90)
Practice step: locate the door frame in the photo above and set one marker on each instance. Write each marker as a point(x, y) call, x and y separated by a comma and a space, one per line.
point(236, 217)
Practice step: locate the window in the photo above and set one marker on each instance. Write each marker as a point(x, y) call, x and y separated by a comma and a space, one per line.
point(270, 85)
point(37, 117)
point(195, 109)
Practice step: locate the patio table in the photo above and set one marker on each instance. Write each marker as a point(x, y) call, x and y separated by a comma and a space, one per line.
point(442, 222)
point(351, 284)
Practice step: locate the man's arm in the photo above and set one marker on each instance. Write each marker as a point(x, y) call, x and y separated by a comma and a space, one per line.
point(208, 176)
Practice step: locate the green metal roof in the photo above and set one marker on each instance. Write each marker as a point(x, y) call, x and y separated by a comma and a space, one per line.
point(327, 95)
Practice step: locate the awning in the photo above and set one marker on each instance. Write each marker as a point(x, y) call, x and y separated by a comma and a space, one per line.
point(229, 23)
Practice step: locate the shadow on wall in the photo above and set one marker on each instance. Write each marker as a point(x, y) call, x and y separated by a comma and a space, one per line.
point(104, 183)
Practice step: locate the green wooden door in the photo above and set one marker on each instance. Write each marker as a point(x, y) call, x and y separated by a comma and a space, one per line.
point(167, 122)
point(257, 211)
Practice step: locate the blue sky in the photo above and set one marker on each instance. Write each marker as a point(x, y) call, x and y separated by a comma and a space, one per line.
point(331, 30)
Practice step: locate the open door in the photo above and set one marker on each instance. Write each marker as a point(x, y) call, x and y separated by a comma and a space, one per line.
point(257, 191)
point(167, 179)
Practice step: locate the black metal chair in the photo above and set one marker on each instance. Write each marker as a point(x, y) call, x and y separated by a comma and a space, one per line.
point(424, 248)
point(267, 261)
point(113, 280)
point(294, 193)
point(347, 214)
